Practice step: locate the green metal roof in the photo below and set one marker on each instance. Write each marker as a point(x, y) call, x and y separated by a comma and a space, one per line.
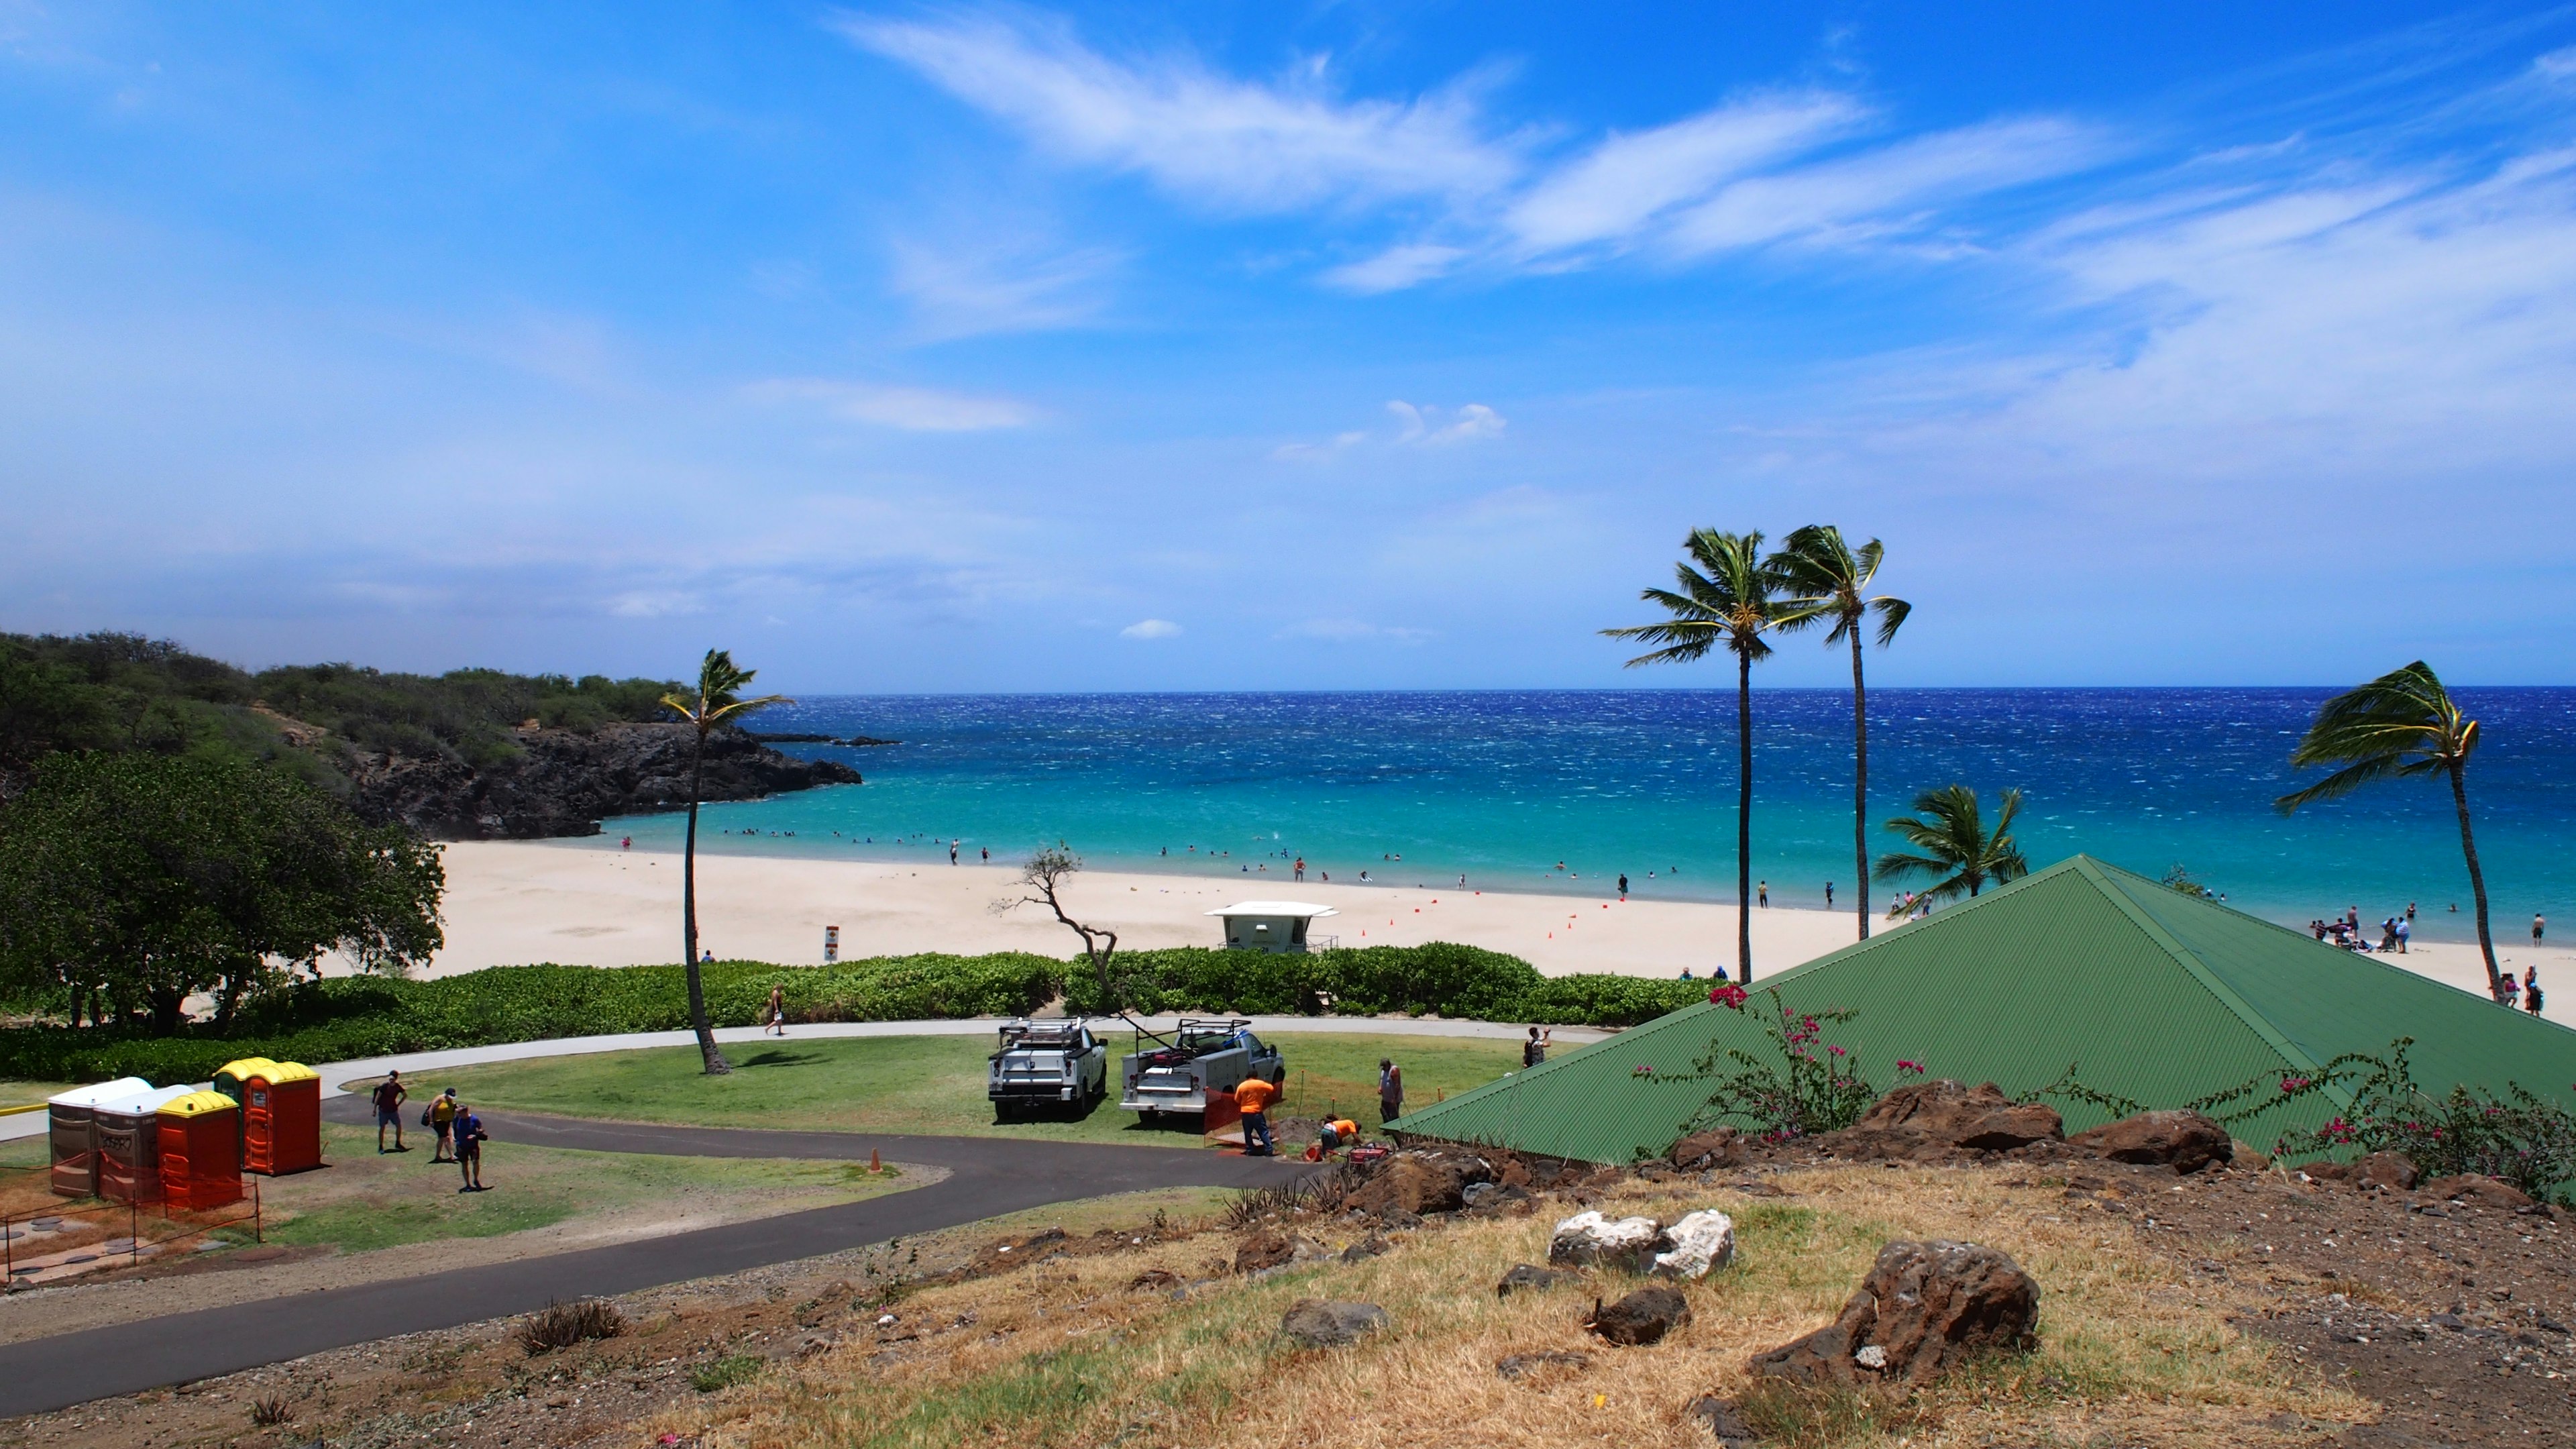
point(2147, 993)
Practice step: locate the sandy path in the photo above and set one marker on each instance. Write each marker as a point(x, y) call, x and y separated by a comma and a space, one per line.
point(510, 902)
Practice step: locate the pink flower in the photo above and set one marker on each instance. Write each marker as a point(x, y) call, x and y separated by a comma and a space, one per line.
point(1730, 996)
point(1837, 1051)
point(1915, 1067)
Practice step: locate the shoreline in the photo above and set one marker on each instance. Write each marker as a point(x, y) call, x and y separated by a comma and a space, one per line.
point(520, 902)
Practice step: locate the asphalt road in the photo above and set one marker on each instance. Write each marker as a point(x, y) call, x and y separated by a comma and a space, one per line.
point(987, 1177)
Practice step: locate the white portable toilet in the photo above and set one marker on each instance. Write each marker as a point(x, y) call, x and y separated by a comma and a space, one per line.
point(129, 1143)
point(1275, 926)
point(71, 1119)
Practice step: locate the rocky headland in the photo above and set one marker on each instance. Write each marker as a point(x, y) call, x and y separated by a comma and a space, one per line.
point(563, 782)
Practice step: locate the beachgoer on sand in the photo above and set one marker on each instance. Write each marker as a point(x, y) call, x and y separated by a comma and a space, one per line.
point(2511, 989)
point(1829, 895)
point(2405, 930)
point(1762, 894)
point(2536, 924)
point(389, 1095)
point(2531, 989)
point(1390, 1090)
point(1301, 867)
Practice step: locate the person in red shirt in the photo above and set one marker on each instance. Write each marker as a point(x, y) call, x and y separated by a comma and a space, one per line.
point(1254, 1096)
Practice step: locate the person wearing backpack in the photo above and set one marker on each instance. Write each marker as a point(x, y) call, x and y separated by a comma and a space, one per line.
point(469, 1137)
point(440, 1117)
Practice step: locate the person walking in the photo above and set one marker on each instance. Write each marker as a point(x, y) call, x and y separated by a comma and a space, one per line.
point(1829, 895)
point(778, 1010)
point(389, 1097)
point(2531, 989)
point(2512, 989)
point(442, 1120)
point(1390, 1091)
point(1254, 1095)
point(470, 1138)
point(1534, 1051)
point(952, 852)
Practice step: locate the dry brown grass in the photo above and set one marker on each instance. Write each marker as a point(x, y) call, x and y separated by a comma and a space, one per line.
point(1066, 1354)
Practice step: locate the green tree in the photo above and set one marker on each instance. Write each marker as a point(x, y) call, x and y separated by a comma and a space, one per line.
point(1831, 580)
point(2402, 724)
point(1728, 596)
point(134, 881)
point(1949, 829)
point(718, 701)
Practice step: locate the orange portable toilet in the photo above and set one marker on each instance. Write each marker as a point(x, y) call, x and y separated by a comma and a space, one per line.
point(281, 1121)
point(200, 1146)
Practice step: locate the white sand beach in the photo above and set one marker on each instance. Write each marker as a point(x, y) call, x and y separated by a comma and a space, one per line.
point(514, 902)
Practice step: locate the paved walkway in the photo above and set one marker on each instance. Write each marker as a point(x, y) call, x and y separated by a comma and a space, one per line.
point(987, 1178)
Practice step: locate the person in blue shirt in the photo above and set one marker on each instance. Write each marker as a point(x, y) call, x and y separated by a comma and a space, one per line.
point(470, 1138)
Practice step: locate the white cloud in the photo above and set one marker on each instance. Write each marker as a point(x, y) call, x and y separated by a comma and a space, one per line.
point(1612, 192)
point(970, 290)
point(1150, 629)
point(655, 604)
point(1212, 139)
point(1422, 427)
point(2558, 64)
point(912, 409)
point(1395, 269)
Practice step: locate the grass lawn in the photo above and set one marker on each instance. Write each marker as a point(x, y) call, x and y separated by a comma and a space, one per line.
point(935, 1084)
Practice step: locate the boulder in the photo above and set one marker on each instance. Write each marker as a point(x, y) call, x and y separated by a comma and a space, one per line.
point(1264, 1250)
point(1153, 1279)
point(1641, 1318)
point(1700, 1242)
point(2483, 1190)
point(1924, 1308)
point(2183, 1140)
point(1521, 1365)
point(1929, 1120)
point(1588, 1239)
point(1366, 1248)
point(1316, 1324)
point(2392, 1171)
point(2327, 1170)
point(2242, 1153)
point(1523, 1278)
point(1478, 1194)
point(1715, 1147)
point(1719, 1418)
point(1412, 1185)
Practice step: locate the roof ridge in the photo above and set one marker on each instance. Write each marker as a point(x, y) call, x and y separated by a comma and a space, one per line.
point(1905, 928)
point(2192, 964)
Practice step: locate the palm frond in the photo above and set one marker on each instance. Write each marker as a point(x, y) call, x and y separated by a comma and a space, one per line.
point(1892, 614)
point(2402, 724)
point(2343, 782)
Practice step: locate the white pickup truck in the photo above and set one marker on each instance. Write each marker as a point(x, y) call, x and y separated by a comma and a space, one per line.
point(1175, 1075)
point(1050, 1064)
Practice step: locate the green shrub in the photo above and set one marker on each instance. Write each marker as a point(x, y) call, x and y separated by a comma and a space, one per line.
point(1440, 978)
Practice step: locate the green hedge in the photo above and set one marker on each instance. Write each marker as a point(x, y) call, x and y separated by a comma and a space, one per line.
point(348, 1018)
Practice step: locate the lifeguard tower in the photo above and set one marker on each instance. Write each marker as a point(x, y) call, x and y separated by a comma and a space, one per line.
point(1275, 926)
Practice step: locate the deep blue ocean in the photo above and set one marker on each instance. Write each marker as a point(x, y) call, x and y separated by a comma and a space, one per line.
point(1503, 785)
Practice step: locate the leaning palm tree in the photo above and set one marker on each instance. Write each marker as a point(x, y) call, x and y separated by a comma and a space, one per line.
point(2402, 723)
point(1949, 829)
point(1831, 580)
point(1731, 598)
point(719, 700)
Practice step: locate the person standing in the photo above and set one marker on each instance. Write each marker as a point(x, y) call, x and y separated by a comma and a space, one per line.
point(389, 1097)
point(442, 1120)
point(778, 1010)
point(1254, 1096)
point(2531, 989)
point(1829, 895)
point(1301, 867)
point(2405, 930)
point(2512, 989)
point(952, 852)
point(2536, 924)
point(1390, 1091)
point(470, 1138)
point(1534, 1051)
point(1762, 894)
point(1623, 885)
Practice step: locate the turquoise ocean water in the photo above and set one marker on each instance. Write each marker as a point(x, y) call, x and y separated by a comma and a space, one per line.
point(1502, 786)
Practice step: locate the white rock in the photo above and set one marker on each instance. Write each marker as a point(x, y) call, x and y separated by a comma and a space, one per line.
point(1871, 1357)
point(1700, 1242)
point(1588, 1238)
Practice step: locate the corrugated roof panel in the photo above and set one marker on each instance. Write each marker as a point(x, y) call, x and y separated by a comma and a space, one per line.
point(2147, 993)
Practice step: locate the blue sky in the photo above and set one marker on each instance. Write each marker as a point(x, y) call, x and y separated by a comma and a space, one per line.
point(1248, 346)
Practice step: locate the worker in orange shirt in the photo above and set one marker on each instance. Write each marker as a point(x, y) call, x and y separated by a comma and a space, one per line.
point(1254, 1096)
point(1339, 1133)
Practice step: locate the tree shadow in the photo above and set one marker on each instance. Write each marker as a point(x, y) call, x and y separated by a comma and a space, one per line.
point(779, 1057)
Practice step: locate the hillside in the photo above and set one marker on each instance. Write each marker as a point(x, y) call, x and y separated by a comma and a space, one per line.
point(473, 753)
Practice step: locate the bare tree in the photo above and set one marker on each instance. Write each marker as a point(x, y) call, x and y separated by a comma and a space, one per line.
point(1042, 882)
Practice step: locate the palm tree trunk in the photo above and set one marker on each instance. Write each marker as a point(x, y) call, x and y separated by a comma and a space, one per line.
point(716, 1065)
point(1860, 786)
point(2477, 880)
point(1744, 818)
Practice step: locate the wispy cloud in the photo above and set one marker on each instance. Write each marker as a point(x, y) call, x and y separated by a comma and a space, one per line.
point(971, 289)
point(1423, 427)
point(911, 409)
point(1216, 140)
point(1151, 629)
point(1621, 186)
point(1345, 631)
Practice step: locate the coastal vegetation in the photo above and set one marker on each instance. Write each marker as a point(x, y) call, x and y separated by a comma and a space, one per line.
point(131, 882)
point(348, 1018)
point(1831, 580)
point(1729, 596)
point(1042, 880)
point(2403, 724)
point(1953, 843)
point(718, 701)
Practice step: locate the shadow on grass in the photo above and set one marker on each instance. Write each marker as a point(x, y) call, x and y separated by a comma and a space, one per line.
point(779, 1058)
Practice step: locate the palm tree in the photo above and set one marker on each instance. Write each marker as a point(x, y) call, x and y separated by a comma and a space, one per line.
point(1831, 579)
point(718, 701)
point(2402, 723)
point(1732, 598)
point(1949, 830)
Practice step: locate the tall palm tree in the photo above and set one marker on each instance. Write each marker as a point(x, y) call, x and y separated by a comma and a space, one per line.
point(719, 701)
point(2402, 723)
point(1949, 830)
point(1831, 580)
point(1728, 595)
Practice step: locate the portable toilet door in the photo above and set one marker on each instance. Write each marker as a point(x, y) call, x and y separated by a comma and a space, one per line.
point(129, 1145)
point(233, 1080)
point(199, 1134)
point(72, 1123)
point(281, 1118)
